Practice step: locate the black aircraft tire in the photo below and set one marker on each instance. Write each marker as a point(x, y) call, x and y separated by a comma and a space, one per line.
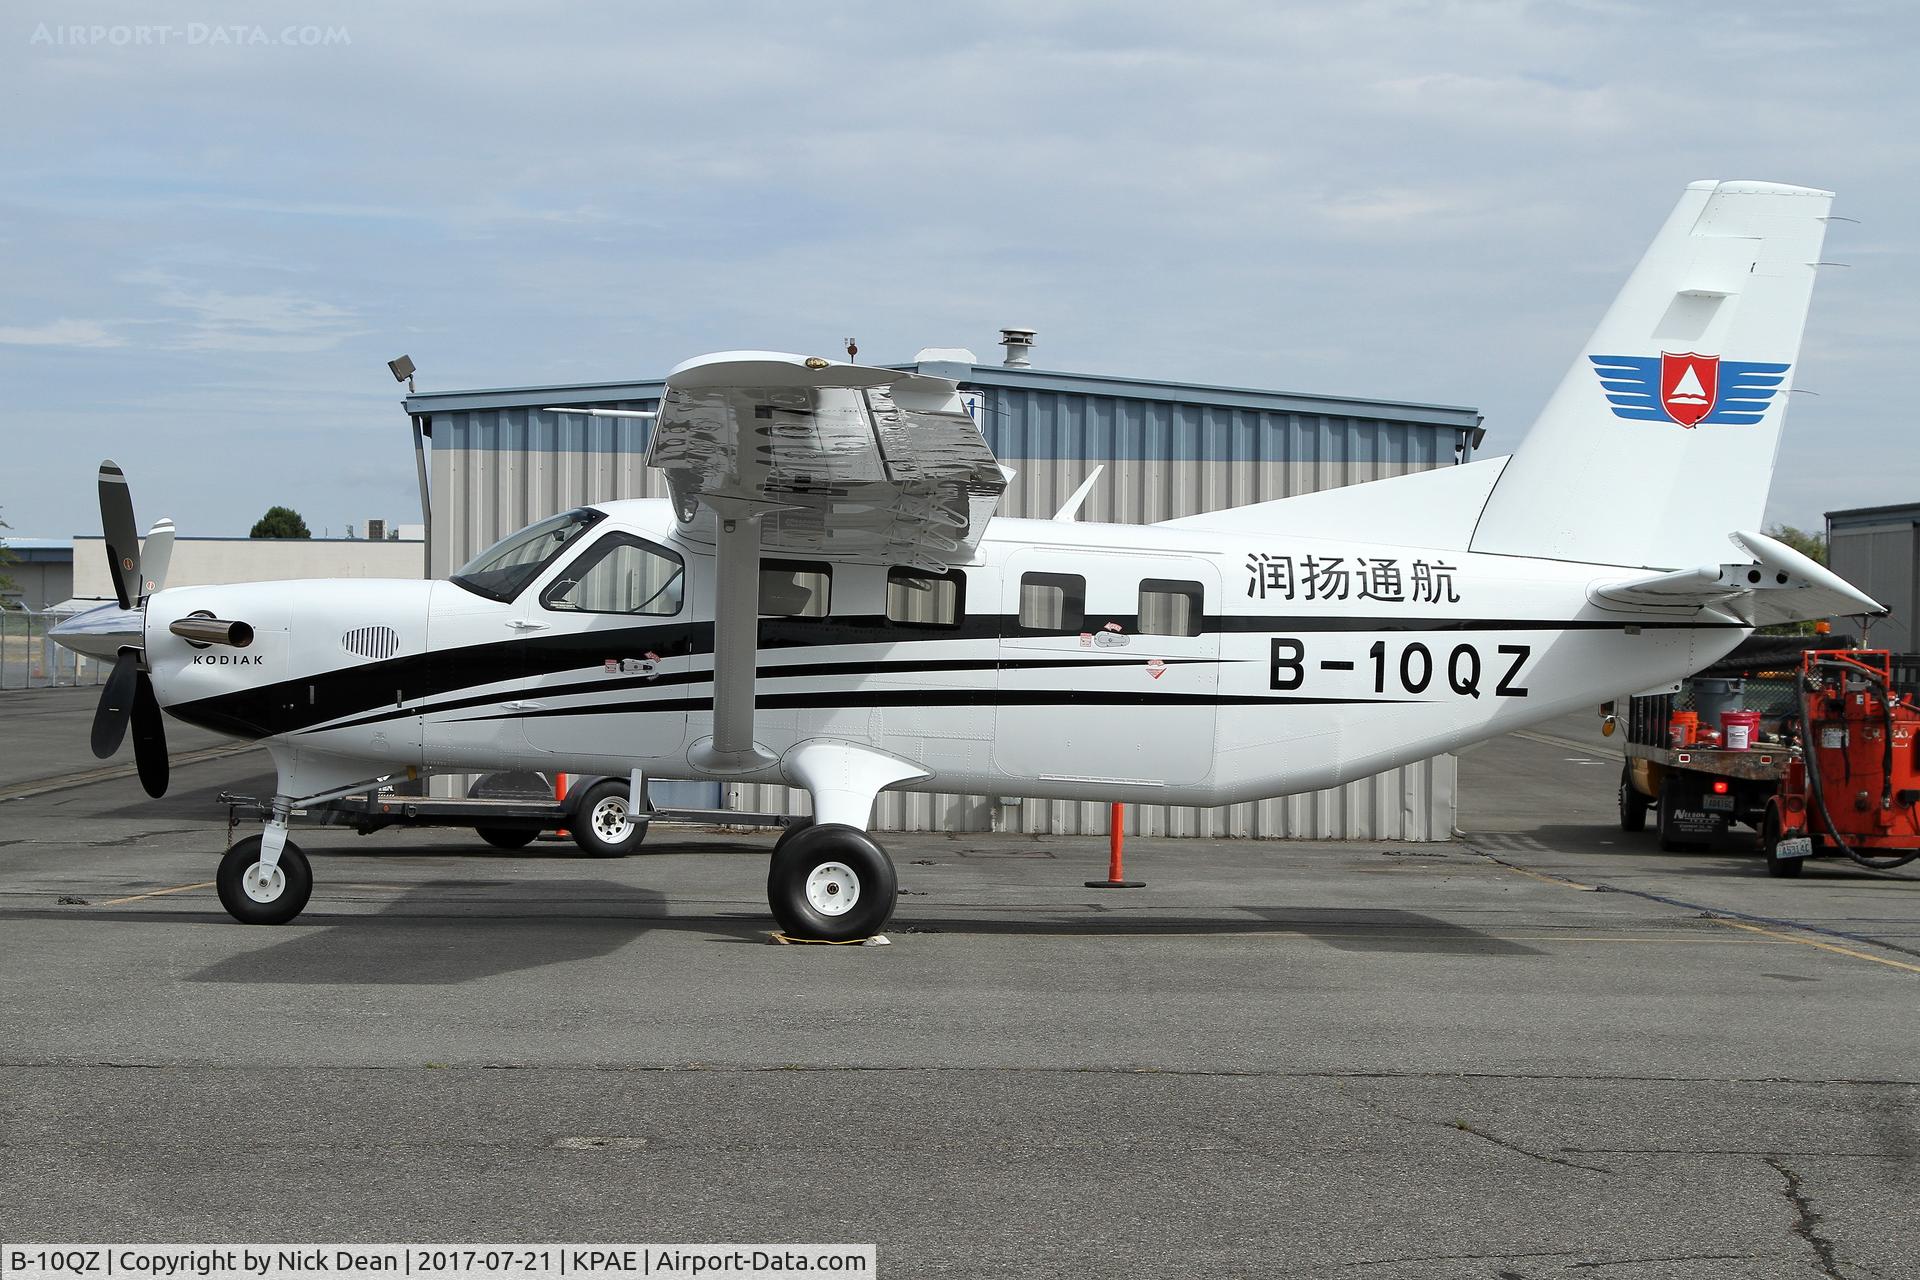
point(507, 837)
point(289, 895)
point(603, 822)
point(831, 882)
point(793, 828)
point(1633, 806)
point(1785, 868)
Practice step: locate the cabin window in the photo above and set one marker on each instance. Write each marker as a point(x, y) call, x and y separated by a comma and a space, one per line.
point(1170, 607)
point(795, 588)
point(620, 574)
point(919, 598)
point(1053, 602)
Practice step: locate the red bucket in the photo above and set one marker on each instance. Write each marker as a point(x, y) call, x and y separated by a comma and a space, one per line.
point(1741, 727)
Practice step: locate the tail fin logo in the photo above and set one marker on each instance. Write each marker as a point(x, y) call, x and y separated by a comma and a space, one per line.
point(1689, 384)
point(1688, 388)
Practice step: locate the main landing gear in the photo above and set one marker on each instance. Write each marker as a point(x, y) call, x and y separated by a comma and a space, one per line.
point(832, 882)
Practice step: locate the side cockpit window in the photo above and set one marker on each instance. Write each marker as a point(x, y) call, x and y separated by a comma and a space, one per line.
point(620, 574)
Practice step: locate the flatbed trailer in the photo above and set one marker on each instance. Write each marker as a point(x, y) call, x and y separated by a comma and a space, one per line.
point(508, 813)
point(1697, 794)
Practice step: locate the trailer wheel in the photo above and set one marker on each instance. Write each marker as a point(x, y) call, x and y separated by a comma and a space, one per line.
point(1633, 805)
point(507, 837)
point(1770, 845)
point(604, 824)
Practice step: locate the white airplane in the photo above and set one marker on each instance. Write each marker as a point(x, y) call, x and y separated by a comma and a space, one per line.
point(827, 600)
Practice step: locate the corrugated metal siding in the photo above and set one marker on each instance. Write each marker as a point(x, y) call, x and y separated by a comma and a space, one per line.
point(497, 469)
point(1883, 560)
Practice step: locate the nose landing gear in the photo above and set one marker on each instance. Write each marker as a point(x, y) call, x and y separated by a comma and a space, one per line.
point(256, 891)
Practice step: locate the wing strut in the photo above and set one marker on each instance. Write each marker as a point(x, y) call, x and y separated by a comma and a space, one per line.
point(736, 641)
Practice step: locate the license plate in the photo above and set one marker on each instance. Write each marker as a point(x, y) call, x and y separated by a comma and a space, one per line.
point(1723, 804)
point(1796, 847)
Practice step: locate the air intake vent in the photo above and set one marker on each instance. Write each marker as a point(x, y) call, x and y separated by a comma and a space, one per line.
point(371, 642)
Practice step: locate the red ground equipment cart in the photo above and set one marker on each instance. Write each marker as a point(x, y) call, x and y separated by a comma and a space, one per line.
point(1855, 787)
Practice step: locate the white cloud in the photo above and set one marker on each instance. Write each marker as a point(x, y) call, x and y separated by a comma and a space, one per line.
point(1406, 199)
point(59, 333)
point(218, 320)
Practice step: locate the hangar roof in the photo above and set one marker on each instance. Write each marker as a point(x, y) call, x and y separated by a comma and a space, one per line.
point(1450, 417)
point(1856, 517)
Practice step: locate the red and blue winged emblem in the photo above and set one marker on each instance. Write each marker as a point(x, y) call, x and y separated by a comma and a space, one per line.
point(1688, 388)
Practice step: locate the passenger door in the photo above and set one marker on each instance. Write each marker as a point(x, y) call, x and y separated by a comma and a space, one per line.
point(1100, 683)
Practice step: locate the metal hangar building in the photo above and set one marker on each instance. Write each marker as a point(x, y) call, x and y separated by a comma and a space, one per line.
point(492, 461)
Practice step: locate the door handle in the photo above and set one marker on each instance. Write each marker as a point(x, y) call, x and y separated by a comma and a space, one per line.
point(523, 706)
point(521, 624)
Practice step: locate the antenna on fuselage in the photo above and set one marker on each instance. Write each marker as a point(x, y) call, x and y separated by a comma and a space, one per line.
point(1068, 513)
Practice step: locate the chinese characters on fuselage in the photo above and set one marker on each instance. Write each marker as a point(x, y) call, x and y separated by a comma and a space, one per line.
point(1382, 578)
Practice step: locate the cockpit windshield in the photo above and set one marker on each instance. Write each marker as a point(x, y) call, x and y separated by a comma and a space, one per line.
point(504, 569)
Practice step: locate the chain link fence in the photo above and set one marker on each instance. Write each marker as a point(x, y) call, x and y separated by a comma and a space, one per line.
point(29, 660)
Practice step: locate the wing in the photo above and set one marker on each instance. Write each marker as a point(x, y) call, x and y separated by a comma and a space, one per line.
point(839, 460)
point(835, 461)
point(1747, 387)
point(1632, 384)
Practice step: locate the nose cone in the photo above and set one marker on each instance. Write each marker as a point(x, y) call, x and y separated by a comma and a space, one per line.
point(101, 632)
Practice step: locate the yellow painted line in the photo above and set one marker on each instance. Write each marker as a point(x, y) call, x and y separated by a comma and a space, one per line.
point(1824, 946)
point(1541, 876)
point(157, 893)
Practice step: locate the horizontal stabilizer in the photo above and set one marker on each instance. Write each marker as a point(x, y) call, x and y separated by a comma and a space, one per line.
point(1778, 585)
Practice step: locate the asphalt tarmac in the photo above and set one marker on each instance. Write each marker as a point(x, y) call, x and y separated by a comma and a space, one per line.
point(1545, 1049)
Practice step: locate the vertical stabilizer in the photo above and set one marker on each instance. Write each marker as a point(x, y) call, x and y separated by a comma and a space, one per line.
point(1661, 438)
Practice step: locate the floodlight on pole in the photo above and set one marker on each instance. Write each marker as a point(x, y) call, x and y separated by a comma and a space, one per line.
point(402, 369)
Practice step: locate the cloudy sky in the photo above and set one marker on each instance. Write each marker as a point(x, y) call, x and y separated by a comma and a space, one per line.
point(214, 238)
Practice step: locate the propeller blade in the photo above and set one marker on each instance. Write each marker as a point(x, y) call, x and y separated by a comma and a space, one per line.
point(155, 555)
point(116, 704)
point(122, 536)
point(149, 737)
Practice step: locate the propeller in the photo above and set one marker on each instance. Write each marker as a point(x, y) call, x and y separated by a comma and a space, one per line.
point(137, 573)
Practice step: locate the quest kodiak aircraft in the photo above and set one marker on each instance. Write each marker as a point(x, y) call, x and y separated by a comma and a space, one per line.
point(827, 600)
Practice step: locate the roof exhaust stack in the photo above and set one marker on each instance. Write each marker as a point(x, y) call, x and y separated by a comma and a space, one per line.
point(1019, 345)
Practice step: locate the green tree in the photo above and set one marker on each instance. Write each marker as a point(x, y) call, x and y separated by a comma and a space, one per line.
point(1814, 547)
point(1811, 545)
point(280, 522)
point(6, 558)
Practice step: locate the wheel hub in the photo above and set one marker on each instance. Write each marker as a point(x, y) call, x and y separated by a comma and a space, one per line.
point(263, 883)
point(609, 820)
point(833, 888)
